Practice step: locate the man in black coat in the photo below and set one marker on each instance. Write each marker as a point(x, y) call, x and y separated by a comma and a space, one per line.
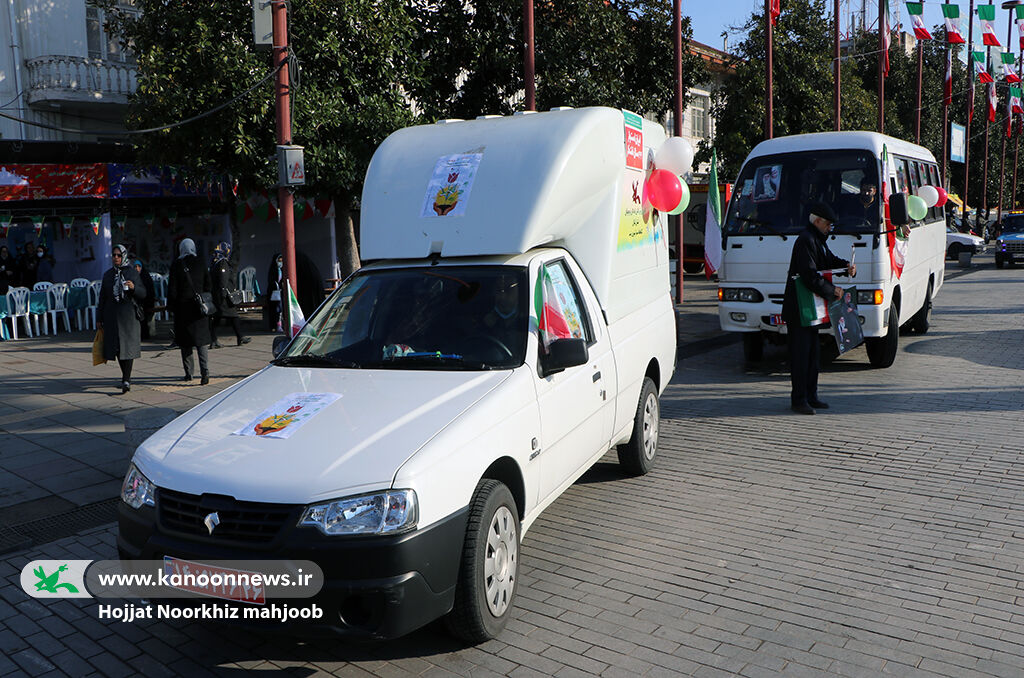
point(810, 257)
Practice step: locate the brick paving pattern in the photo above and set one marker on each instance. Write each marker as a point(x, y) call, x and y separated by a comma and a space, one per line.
point(881, 537)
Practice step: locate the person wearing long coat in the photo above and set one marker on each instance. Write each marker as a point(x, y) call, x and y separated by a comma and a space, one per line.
point(150, 303)
point(120, 293)
point(189, 277)
point(222, 279)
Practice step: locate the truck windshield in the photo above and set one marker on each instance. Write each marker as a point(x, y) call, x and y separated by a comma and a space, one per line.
point(1013, 224)
point(436, 318)
point(774, 193)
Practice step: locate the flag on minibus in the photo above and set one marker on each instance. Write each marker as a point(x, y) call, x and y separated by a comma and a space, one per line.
point(916, 11)
point(951, 13)
point(713, 223)
point(296, 319)
point(896, 237)
point(1008, 61)
point(987, 16)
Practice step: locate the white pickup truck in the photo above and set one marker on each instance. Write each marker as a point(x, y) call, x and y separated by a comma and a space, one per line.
point(514, 325)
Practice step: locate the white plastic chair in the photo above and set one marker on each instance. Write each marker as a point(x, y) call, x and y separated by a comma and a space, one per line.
point(57, 303)
point(17, 306)
point(94, 301)
point(41, 286)
point(160, 292)
point(247, 284)
point(78, 283)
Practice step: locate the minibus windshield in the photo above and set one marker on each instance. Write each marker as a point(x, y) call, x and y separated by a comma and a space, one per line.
point(433, 318)
point(774, 192)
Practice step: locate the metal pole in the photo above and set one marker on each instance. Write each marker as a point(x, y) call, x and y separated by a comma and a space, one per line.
point(677, 130)
point(883, 25)
point(836, 92)
point(768, 113)
point(970, 105)
point(1009, 122)
point(279, 14)
point(945, 115)
point(917, 112)
point(984, 163)
point(1016, 151)
point(529, 75)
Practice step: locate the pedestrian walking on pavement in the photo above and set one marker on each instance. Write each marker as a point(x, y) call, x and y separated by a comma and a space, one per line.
point(150, 302)
point(226, 296)
point(275, 293)
point(118, 314)
point(811, 256)
point(187, 280)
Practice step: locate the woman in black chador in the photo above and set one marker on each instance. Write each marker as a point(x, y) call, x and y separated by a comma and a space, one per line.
point(118, 313)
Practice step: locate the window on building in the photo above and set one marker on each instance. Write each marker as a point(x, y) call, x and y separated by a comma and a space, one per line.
point(101, 43)
point(699, 106)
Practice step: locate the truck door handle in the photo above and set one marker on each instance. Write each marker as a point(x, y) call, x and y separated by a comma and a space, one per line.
point(597, 375)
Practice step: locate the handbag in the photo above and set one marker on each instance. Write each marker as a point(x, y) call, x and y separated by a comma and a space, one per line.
point(234, 297)
point(140, 314)
point(97, 348)
point(203, 300)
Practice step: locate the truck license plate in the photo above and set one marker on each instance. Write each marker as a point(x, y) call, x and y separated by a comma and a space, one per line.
point(776, 319)
point(243, 593)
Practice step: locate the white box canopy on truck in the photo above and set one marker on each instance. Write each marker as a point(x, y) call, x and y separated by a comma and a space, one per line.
point(505, 185)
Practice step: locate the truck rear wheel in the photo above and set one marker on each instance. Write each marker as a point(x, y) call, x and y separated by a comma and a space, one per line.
point(636, 457)
point(489, 571)
point(882, 350)
point(753, 347)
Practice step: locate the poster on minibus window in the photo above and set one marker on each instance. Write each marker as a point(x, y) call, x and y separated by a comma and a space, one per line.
point(846, 321)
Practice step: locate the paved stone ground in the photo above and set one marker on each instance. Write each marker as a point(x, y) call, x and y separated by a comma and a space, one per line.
point(880, 538)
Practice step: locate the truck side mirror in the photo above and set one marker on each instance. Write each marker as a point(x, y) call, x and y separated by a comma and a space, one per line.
point(563, 353)
point(898, 214)
point(279, 344)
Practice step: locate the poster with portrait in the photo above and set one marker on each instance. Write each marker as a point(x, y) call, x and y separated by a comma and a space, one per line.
point(846, 321)
point(766, 183)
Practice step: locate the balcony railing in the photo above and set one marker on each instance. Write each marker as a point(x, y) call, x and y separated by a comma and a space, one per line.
point(72, 79)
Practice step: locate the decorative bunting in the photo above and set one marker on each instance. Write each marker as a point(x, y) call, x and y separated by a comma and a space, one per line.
point(37, 224)
point(172, 216)
point(987, 16)
point(95, 221)
point(979, 67)
point(952, 15)
point(916, 10)
point(5, 223)
point(121, 220)
point(66, 222)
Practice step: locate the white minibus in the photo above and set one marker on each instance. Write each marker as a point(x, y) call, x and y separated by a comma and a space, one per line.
point(779, 180)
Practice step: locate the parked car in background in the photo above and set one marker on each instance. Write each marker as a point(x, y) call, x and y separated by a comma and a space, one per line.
point(1010, 241)
point(957, 242)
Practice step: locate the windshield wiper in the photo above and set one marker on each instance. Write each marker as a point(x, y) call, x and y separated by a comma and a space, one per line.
point(758, 222)
point(312, 360)
point(433, 358)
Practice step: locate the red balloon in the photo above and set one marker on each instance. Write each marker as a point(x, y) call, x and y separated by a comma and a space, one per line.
point(664, 190)
point(943, 196)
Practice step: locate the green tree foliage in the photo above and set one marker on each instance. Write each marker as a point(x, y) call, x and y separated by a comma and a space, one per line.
point(587, 53)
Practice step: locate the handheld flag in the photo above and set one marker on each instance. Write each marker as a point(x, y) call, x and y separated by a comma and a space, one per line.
point(952, 15)
point(713, 223)
point(1008, 62)
point(979, 67)
point(916, 11)
point(296, 319)
point(812, 308)
point(987, 16)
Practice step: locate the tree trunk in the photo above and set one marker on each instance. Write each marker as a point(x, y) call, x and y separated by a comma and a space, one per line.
point(348, 255)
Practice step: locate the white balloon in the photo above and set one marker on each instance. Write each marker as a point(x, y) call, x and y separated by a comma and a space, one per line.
point(929, 195)
point(675, 155)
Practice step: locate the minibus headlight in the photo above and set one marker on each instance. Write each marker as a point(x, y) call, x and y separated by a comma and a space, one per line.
point(136, 490)
point(380, 513)
point(739, 294)
point(870, 297)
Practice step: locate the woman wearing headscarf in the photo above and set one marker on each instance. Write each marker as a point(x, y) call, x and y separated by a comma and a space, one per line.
point(45, 264)
point(222, 278)
point(117, 314)
point(150, 301)
point(275, 292)
point(28, 263)
point(189, 277)
point(8, 270)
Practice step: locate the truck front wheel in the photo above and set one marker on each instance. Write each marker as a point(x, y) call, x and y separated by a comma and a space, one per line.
point(882, 350)
point(636, 457)
point(489, 571)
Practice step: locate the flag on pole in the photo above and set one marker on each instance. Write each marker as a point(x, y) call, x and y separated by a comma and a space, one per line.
point(775, 11)
point(992, 102)
point(1020, 24)
point(916, 11)
point(886, 37)
point(1009, 62)
point(987, 16)
point(296, 319)
point(713, 223)
point(947, 89)
point(979, 67)
point(1014, 107)
point(952, 15)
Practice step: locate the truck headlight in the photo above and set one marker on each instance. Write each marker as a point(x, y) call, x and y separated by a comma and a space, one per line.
point(870, 297)
point(136, 490)
point(381, 513)
point(739, 294)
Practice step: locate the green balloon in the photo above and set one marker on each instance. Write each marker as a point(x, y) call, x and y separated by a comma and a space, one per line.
point(684, 200)
point(917, 207)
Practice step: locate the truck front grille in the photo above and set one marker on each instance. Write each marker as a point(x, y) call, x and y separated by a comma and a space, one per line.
point(244, 522)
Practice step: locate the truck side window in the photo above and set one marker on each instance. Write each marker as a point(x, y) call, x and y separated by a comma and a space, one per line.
point(567, 302)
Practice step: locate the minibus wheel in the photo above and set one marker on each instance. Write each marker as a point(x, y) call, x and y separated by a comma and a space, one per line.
point(637, 456)
point(882, 350)
point(753, 346)
point(489, 571)
point(922, 319)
